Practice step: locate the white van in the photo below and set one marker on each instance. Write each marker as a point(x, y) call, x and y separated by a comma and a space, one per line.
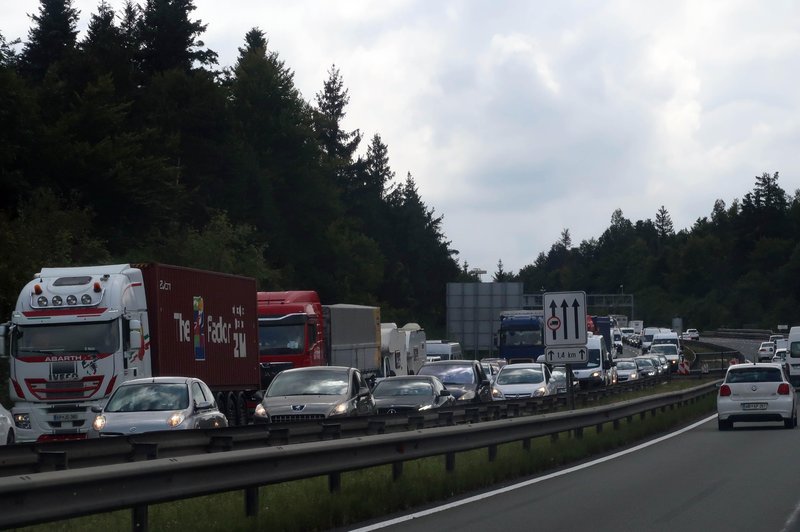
point(793, 356)
point(647, 337)
point(443, 349)
point(599, 370)
point(670, 337)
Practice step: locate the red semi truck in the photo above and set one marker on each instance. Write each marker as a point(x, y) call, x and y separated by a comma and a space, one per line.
point(295, 330)
point(79, 332)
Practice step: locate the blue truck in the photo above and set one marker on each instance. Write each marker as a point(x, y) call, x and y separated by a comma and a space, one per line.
point(520, 335)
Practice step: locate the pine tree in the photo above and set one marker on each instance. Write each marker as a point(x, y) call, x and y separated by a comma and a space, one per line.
point(170, 39)
point(664, 226)
point(52, 39)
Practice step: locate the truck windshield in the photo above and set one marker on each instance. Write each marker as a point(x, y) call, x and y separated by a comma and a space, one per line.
point(521, 337)
point(93, 337)
point(281, 337)
point(592, 362)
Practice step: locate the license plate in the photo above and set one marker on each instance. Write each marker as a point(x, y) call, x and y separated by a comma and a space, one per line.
point(65, 417)
point(754, 406)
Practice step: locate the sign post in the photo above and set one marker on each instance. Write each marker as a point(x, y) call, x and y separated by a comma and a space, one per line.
point(565, 334)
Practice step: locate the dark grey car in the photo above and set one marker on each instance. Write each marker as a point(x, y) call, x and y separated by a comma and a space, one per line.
point(410, 393)
point(465, 379)
point(313, 394)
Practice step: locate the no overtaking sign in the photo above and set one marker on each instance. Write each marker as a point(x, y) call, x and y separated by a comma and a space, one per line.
point(565, 319)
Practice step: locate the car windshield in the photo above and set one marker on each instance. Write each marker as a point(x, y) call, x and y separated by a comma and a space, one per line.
point(450, 374)
point(666, 349)
point(646, 363)
point(626, 364)
point(149, 397)
point(394, 388)
point(283, 337)
point(512, 375)
point(317, 382)
point(592, 362)
point(754, 374)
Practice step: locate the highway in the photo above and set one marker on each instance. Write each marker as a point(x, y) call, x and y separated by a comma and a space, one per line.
point(699, 479)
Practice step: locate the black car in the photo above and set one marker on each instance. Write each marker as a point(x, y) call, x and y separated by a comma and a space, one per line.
point(410, 393)
point(465, 379)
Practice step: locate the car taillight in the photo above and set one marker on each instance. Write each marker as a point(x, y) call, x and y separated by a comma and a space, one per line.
point(783, 389)
point(724, 390)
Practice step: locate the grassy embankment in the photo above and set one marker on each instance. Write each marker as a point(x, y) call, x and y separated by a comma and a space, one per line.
point(307, 505)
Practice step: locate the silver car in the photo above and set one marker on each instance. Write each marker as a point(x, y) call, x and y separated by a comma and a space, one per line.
point(517, 381)
point(157, 403)
point(313, 394)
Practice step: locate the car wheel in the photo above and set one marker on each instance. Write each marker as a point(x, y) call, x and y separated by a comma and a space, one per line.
point(724, 425)
point(789, 423)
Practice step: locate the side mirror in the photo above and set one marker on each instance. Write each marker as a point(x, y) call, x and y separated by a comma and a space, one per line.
point(486, 382)
point(258, 396)
point(363, 391)
point(202, 405)
point(135, 336)
point(444, 393)
point(97, 409)
point(3, 339)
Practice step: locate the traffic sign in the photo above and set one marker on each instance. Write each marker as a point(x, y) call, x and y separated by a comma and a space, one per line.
point(566, 355)
point(565, 316)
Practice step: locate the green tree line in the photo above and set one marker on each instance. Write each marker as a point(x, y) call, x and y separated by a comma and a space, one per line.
point(738, 267)
point(131, 144)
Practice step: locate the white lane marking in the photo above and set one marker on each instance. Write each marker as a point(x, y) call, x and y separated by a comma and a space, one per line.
point(792, 521)
point(456, 504)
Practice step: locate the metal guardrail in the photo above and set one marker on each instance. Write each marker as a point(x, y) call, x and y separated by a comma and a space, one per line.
point(42, 497)
point(29, 458)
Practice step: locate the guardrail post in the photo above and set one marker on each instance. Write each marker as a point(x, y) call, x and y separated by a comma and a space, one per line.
point(251, 501)
point(376, 427)
point(599, 428)
point(526, 444)
point(450, 462)
point(472, 415)
point(554, 437)
point(616, 424)
point(445, 419)
point(52, 461)
point(143, 451)
point(278, 436)
point(397, 470)
point(139, 518)
point(220, 443)
point(492, 453)
point(579, 433)
point(331, 431)
point(512, 410)
point(335, 482)
point(493, 412)
point(416, 422)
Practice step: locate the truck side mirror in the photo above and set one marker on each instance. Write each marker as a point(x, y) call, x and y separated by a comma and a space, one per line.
point(3, 340)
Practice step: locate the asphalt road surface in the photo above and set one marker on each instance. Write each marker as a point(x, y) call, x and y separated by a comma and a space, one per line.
point(700, 479)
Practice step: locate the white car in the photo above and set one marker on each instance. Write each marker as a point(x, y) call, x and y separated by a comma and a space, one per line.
point(517, 381)
point(756, 392)
point(7, 435)
point(766, 351)
point(691, 334)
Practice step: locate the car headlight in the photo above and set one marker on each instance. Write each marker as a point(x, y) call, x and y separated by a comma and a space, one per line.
point(260, 410)
point(426, 407)
point(176, 419)
point(497, 394)
point(339, 409)
point(540, 392)
point(22, 421)
point(596, 375)
point(99, 423)
point(468, 396)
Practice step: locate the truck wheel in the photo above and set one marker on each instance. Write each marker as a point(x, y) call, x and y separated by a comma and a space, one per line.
point(231, 410)
point(241, 409)
point(222, 404)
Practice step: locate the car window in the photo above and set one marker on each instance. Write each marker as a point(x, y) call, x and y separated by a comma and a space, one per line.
point(149, 397)
point(197, 393)
point(626, 364)
point(209, 395)
point(754, 375)
point(391, 388)
point(450, 374)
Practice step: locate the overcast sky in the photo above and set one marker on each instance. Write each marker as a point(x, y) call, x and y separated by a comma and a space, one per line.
point(518, 119)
